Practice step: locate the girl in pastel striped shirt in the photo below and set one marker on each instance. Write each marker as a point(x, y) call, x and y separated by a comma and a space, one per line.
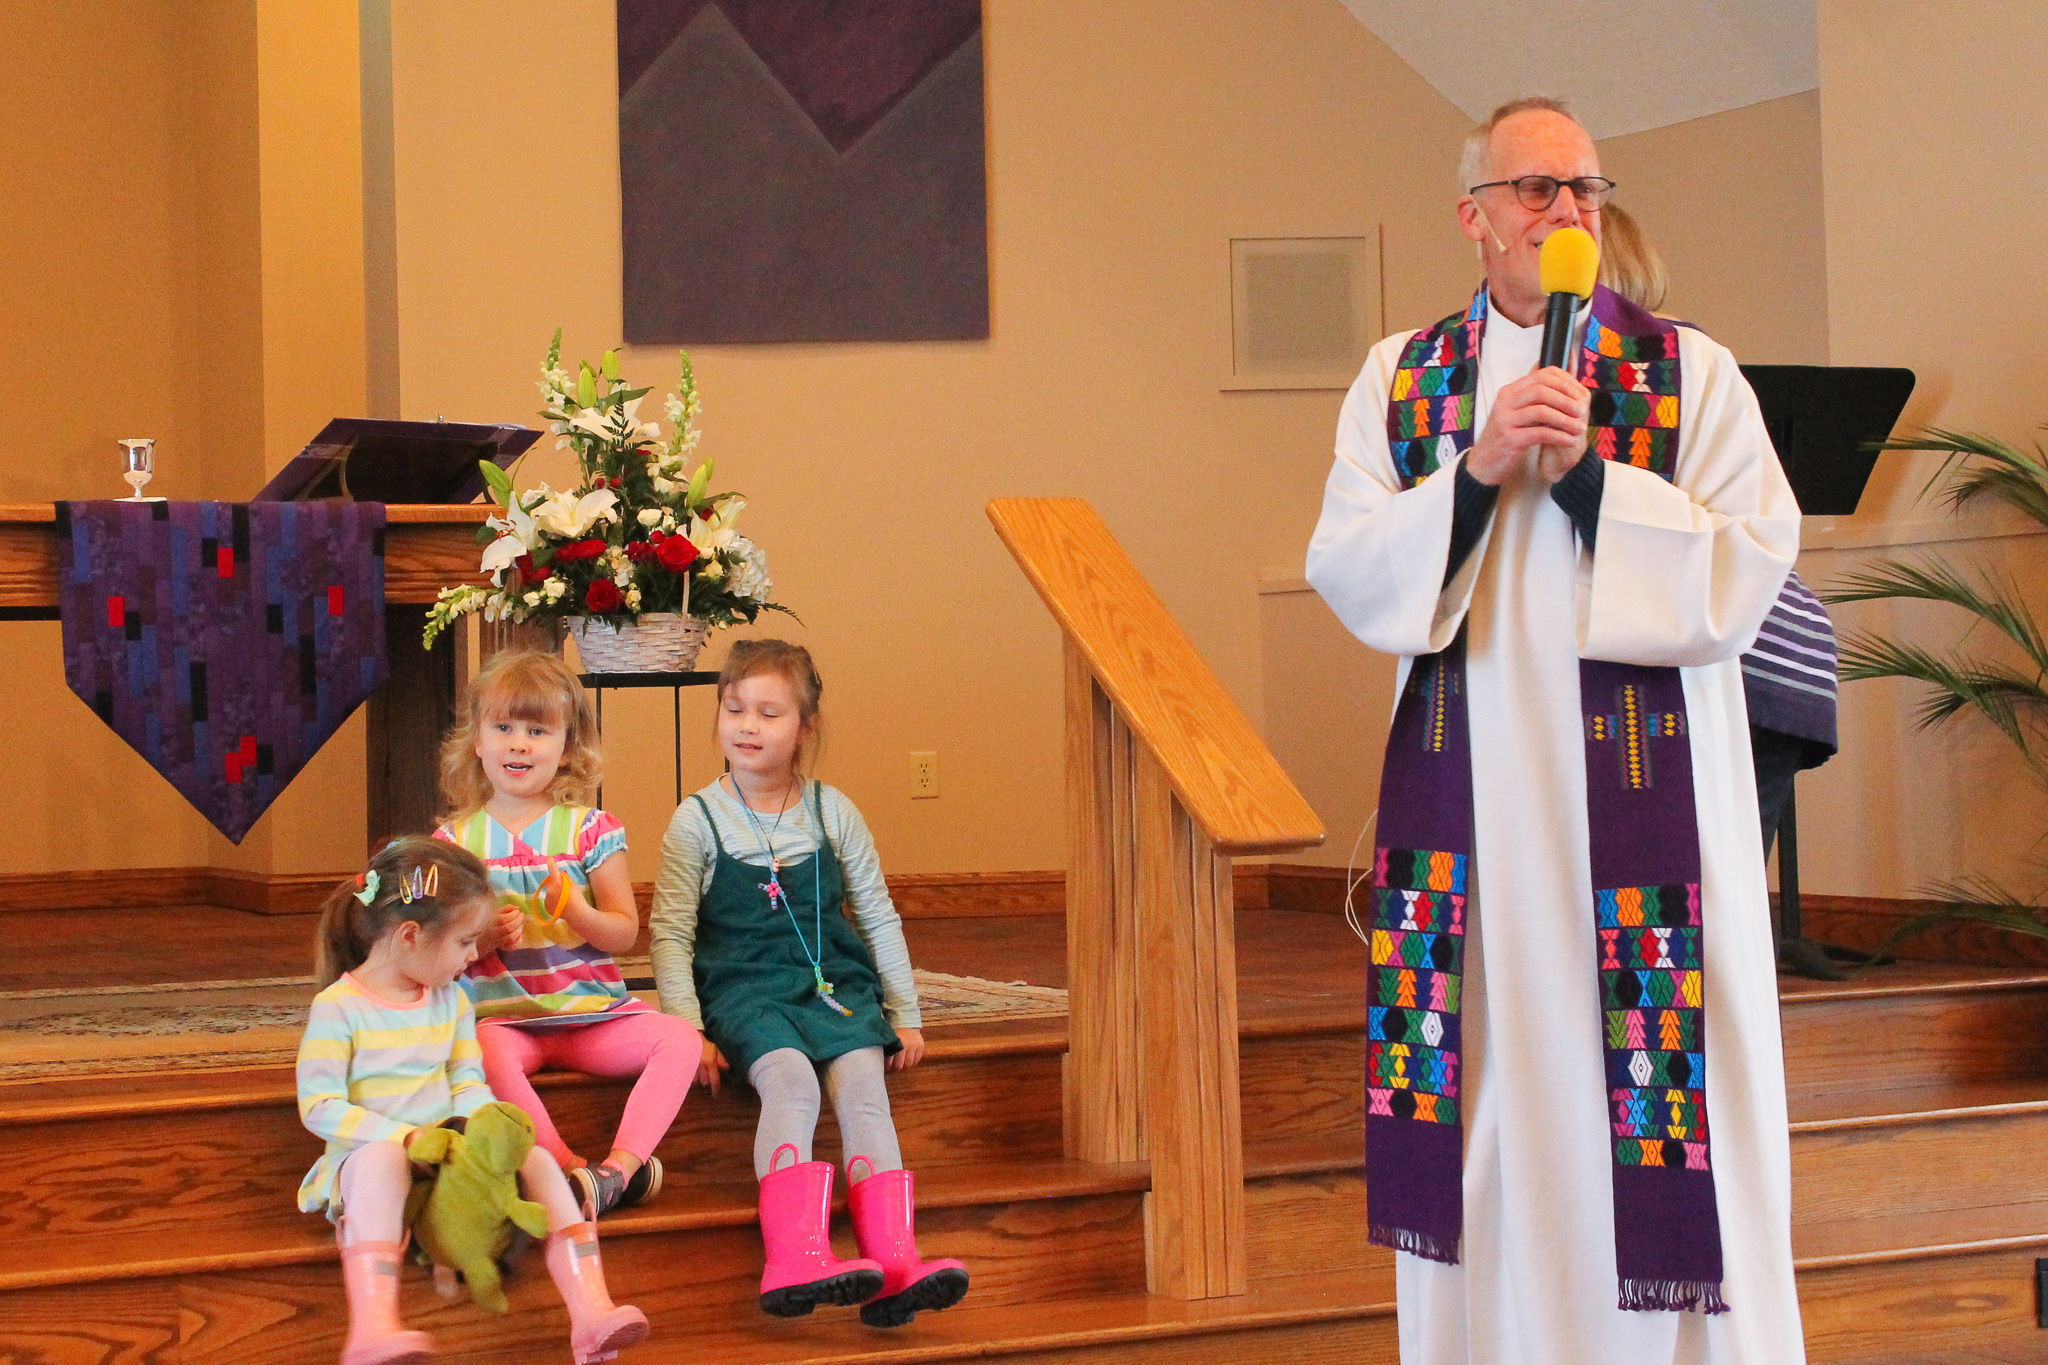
point(390, 1048)
point(518, 772)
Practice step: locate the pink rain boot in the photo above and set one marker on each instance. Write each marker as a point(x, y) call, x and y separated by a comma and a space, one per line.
point(369, 1271)
point(802, 1272)
point(884, 1218)
point(598, 1329)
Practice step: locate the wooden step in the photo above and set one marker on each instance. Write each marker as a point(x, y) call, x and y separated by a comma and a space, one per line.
point(1328, 1318)
point(210, 1243)
point(1935, 1150)
point(90, 1161)
point(1914, 1266)
point(1914, 1024)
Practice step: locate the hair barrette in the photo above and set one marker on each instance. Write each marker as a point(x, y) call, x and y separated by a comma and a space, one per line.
point(414, 887)
point(368, 882)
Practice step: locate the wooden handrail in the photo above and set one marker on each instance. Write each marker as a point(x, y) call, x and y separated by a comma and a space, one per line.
point(1217, 763)
point(1165, 780)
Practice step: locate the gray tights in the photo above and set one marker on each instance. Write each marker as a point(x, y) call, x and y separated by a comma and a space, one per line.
point(787, 1082)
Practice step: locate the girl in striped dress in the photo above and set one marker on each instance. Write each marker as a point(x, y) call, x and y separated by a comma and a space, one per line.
point(518, 773)
point(390, 1048)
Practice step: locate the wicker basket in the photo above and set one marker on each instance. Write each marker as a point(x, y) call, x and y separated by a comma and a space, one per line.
point(662, 642)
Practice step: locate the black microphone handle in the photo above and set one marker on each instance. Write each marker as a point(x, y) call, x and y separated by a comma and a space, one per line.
point(1558, 316)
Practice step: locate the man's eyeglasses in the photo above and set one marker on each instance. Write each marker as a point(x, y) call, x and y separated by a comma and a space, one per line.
point(1538, 192)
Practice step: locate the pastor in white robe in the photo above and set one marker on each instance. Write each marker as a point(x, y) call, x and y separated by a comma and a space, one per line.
point(1683, 574)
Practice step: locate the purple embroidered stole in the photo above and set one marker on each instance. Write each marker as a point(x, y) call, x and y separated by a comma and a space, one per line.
point(1644, 846)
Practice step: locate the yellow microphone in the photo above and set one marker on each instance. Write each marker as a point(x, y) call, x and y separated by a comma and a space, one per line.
point(1567, 264)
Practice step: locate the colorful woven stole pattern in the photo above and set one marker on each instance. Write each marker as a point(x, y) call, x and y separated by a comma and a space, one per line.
point(1645, 858)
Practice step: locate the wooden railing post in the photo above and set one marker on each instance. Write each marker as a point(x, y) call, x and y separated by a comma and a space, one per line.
point(1194, 1216)
point(1166, 779)
point(1104, 1114)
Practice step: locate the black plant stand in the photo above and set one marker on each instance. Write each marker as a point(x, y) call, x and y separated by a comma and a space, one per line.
point(600, 683)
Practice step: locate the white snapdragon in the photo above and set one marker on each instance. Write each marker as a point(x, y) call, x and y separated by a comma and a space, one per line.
point(633, 598)
point(554, 588)
point(650, 516)
point(533, 599)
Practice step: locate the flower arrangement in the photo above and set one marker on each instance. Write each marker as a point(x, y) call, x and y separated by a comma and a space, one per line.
point(636, 535)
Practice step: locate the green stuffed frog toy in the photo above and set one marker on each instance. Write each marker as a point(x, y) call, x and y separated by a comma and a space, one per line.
point(464, 1218)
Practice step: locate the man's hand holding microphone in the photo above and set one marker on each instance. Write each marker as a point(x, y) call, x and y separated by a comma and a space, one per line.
point(1546, 410)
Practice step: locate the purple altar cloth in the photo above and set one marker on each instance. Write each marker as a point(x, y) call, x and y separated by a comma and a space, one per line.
point(223, 641)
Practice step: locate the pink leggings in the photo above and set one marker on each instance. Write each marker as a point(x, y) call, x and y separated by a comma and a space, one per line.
point(660, 1049)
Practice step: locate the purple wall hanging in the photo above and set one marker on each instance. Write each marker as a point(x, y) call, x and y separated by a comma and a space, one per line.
point(802, 170)
point(223, 641)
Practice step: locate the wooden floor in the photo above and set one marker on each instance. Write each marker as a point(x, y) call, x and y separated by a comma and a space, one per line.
point(149, 1217)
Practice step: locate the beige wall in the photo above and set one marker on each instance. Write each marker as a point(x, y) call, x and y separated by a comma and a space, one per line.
point(1930, 137)
point(179, 264)
point(1733, 201)
point(1127, 144)
point(193, 245)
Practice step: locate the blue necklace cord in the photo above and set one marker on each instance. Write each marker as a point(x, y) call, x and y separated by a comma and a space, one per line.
point(777, 896)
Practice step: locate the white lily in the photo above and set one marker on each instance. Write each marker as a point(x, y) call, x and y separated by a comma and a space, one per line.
point(498, 557)
point(568, 516)
point(709, 537)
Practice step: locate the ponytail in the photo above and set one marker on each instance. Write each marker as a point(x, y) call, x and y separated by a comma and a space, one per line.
point(414, 878)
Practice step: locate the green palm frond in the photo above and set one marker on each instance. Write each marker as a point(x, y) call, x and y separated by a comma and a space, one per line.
point(1996, 604)
point(2006, 697)
point(1977, 466)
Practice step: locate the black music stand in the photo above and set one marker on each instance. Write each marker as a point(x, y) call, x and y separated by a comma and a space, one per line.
point(366, 459)
point(1826, 423)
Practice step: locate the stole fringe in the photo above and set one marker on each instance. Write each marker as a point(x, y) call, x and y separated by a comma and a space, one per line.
point(1414, 1243)
point(1672, 1296)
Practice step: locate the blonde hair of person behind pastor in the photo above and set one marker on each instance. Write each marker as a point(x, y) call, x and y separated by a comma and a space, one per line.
point(793, 664)
point(1630, 263)
point(521, 685)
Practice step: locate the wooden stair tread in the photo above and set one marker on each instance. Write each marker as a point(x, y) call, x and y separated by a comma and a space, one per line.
point(1911, 978)
point(1917, 1104)
point(1265, 1158)
point(833, 1336)
point(297, 1239)
point(1879, 1237)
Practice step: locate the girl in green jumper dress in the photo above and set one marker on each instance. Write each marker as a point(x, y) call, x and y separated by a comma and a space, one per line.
point(749, 943)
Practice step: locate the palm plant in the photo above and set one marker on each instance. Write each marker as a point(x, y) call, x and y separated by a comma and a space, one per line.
point(2013, 696)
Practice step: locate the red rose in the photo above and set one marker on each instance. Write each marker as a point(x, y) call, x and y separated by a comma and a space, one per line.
point(676, 553)
point(580, 549)
point(639, 550)
point(525, 566)
point(603, 596)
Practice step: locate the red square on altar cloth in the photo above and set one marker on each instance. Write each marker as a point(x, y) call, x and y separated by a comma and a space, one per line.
point(334, 599)
point(225, 559)
point(117, 613)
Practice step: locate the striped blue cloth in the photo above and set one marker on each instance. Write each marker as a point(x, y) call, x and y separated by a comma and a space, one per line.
point(1788, 676)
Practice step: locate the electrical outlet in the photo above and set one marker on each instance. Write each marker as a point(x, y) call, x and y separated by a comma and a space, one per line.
point(924, 774)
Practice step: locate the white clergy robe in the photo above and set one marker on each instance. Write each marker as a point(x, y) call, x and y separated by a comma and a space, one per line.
point(1683, 575)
